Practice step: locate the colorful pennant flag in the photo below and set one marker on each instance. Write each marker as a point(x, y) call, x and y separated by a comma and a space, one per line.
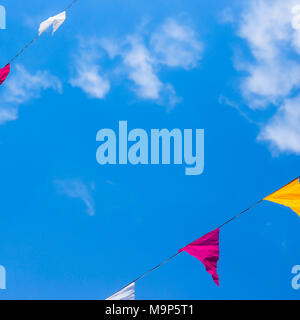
point(4, 72)
point(288, 196)
point(206, 249)
point(55, 21)
point(127, 293)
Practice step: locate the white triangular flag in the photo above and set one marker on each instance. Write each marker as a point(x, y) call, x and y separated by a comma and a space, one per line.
point(127, 293)
point(55, 21)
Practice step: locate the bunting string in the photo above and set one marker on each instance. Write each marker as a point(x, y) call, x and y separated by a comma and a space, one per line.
point(34, 39)
point(221, 226)
point(71, 5)
point(206, 248)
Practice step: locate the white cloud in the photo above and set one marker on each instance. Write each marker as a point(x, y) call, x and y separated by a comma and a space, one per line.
point(8, 114)
point(75, 188)
point(267, 27)
point(283, 130)
point(141, 67)
point(21, 87)
point(139, 64)
point(111, 47)
point(176, 45)
point(273, 75)
point(87, 71)
point(140, 59)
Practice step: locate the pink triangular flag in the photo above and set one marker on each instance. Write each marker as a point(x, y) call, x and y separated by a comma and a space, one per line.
point(206, 249)
point(4, 73)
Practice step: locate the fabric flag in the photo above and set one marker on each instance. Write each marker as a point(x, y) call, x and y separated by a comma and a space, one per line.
point(288, 196)
point(4, 72)
point(55, 21)
point(206, 249)
point(127, 293)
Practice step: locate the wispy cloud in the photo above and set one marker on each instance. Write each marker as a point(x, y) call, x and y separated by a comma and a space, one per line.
point(140, 69)
point(87, 74)
point(22, 87)
point(176, 45)
point(224, 100)
point(75, 188)
point(283, 130)
point(273, 75)
point(8, 114)
point(142, 55)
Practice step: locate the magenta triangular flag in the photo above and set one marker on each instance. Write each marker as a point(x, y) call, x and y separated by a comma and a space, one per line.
point(4, 72)
point(206, 249)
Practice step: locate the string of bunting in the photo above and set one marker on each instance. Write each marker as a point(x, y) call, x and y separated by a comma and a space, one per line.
point(206, 248)
point(54, 22)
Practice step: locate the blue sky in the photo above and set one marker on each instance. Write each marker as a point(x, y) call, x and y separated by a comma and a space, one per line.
point(72, 229)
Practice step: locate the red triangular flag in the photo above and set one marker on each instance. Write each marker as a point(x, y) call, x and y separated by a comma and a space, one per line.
point(206, 249)
point(4, 72)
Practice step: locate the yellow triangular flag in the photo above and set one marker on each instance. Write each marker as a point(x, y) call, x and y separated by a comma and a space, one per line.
point(288, 196)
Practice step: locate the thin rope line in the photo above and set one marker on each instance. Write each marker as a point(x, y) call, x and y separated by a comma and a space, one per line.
point(238, 215)
point(33, 40)
point(28, 45)
point(254, 205)
point(145, 274)
point(175, 255)
point(70, 5)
